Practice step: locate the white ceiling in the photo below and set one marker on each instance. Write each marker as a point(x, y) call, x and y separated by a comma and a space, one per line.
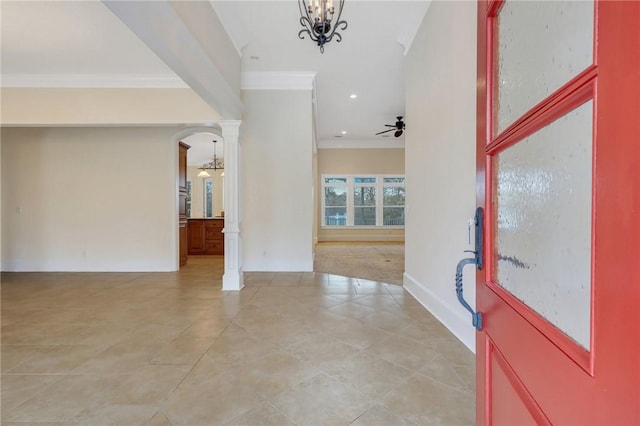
point(85, 38)
point(368, 62)
point(71, 37)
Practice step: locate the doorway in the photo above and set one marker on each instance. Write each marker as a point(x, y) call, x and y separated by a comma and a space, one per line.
point(205, 183)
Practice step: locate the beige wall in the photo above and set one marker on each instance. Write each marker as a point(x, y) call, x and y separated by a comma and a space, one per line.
point(89, 199)
point(354, 161)
point(350, 161)
point(77, 107)
point(277, 181)
point(440, 160)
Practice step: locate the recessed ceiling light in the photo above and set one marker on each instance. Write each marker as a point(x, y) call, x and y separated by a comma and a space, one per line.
point(353, 96)
point(344, 132)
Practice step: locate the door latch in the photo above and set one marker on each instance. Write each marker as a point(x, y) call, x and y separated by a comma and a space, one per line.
point(476, 317)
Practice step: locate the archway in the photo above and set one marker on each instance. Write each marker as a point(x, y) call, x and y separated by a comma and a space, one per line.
point(227, 132)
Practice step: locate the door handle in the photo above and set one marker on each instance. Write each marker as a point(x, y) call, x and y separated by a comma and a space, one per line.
point(476, 317)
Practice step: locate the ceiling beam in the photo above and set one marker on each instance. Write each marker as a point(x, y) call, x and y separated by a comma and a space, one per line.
point(183, 40)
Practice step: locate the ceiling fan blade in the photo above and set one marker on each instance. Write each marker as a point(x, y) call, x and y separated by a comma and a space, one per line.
point(389, 125)
point(386, 131)
point(398, 133)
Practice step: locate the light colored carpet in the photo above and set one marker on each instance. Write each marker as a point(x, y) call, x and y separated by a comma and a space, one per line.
point(383, 262)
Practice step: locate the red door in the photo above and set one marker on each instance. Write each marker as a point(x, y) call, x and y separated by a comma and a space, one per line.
point(558, 143)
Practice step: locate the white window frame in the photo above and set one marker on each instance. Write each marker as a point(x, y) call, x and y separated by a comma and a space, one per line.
point(350, 185)
point(382, 205)
point(324, 198)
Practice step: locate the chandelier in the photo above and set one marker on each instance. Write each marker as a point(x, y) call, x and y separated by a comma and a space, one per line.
point(317, 18)
point(215, 164)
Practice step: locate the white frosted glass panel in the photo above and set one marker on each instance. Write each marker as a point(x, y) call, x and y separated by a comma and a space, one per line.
point(541, 46)
point(543, 201)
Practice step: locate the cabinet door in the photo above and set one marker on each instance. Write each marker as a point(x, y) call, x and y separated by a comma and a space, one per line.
point(183, 245)
point(196, 236)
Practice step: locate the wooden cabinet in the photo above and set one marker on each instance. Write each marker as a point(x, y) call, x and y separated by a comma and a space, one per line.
point(182, 201)
point(196, 236)
point(205, 236)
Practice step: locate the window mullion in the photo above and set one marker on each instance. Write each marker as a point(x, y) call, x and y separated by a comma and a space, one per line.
point(324, 202)
point(379, 199)
point(350, 209)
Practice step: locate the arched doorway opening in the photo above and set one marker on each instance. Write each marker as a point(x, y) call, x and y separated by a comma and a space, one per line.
point(204, 178)
point(223, 200)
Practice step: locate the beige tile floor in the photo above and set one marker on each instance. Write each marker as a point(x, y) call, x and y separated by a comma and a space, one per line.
point(173, 349)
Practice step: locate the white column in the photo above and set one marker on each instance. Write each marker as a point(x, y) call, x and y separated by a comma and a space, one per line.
point(232, 278)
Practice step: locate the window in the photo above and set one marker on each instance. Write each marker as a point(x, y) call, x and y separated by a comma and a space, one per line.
point(335, 201)
point(363, 201)
point(208, 198)
point(393, 202)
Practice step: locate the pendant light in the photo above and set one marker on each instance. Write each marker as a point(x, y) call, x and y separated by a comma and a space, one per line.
point(215, 164)
point(321, 20)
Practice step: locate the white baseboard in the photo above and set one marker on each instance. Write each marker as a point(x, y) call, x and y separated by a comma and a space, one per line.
point(459, 325)
point(278, 267)
point(361, 238)
point(97, 269)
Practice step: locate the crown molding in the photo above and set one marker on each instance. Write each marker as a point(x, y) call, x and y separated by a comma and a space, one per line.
point(360, 143)
point(181, 48)
point(405, 39)
point(254, 80)
point(111, 81)
point(409, 34)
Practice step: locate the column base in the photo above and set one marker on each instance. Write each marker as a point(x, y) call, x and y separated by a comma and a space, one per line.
point(232, 281)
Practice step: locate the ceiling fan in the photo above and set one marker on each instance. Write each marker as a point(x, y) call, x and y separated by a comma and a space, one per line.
point(398, 127)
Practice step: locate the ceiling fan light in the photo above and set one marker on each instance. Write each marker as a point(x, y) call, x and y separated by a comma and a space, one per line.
point(398, 127)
